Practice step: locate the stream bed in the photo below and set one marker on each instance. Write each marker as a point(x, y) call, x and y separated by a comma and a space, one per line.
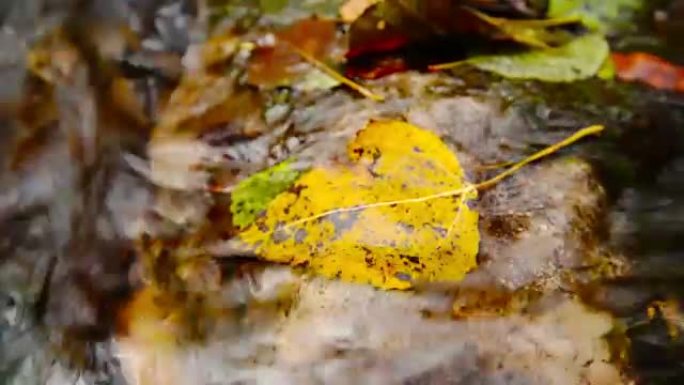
point(117, 260)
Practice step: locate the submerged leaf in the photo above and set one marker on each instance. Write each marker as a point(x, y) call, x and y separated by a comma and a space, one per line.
point(282, 64)
point(314, 36)
point(580, 59)
point(387, 245)
point(252, 195)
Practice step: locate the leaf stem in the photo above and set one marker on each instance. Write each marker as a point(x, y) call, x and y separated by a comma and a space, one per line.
point(591, 130)
point(444, 66)
point(336, 75)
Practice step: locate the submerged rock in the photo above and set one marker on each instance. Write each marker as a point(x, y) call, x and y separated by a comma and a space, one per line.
point(513, 320)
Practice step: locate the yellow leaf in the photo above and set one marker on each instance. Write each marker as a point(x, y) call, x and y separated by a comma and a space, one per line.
point(331, 222)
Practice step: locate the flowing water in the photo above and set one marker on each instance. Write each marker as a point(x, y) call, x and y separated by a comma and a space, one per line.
point(75, 192)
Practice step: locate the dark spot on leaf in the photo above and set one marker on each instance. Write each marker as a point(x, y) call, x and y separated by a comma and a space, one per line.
point(297, 189)
point(299, 236)
point(281, 234)
point(440, 230)
point(343, 222)
point(411, 258)
point(406, 227)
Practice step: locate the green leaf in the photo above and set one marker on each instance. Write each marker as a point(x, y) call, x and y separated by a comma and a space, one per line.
point(599, 15)
point(252, 195)
point(580, 59)
point(607, 70)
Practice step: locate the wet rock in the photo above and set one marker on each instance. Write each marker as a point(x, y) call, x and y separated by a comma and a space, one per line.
point(561, 206)
point(338, 333)
point(537, 227)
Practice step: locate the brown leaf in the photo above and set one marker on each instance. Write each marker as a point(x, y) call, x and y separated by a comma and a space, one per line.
point(280, 65)
point(314, 36)
point(271, 67)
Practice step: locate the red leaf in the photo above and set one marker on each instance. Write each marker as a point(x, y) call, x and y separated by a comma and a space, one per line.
point(379, 68)
point(649, 69)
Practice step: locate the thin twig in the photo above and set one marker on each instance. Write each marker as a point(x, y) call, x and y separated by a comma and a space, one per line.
point(449, 65)
point(336, 75)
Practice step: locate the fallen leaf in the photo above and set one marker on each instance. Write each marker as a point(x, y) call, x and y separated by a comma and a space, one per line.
point(252, 195)
point(514, 9)
point(206, 103)
point(352, 9)
point(538, 33)
point(392, 24)
point(389, 246)
point(396, 214)
point(607, 70)
point(580, 59)
point(314, 36)
point(272, 67)
point(280, 65)
point(395, 35)
point(603, 16)
point(649, 69)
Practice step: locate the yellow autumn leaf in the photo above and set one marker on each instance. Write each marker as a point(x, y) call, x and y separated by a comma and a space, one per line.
point(332, 222)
